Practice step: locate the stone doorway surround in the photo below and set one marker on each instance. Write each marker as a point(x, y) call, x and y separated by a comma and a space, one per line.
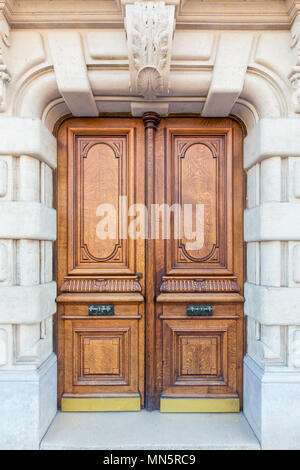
point(74, 58)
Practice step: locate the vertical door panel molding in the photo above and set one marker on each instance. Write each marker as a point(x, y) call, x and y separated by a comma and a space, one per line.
point(199, 167)
point(102, 169)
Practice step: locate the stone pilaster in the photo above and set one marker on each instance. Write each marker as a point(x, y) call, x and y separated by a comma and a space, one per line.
point(27, 291)
point(272, 220)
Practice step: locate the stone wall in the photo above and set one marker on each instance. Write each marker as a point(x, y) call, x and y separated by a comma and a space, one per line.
point(272, 223)
point(247, 69)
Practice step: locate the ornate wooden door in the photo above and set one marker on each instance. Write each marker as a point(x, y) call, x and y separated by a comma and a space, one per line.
point(154, 319)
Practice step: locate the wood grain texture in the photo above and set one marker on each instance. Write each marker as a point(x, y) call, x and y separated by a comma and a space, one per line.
point(101, 285)
point(198, 285)
point(101, 356)
point(151, 122)
point(101, 171)
point(199, 172)
point(150, 348)
point(200, 161)
point(199, 357)
point(99, 160)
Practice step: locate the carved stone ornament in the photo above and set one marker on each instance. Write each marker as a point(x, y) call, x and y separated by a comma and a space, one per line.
point(149, 27)
point(294, 76)
point(4, 75)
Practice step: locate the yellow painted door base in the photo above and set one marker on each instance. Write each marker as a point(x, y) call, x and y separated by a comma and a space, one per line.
point(199, 405)
point(101, 404)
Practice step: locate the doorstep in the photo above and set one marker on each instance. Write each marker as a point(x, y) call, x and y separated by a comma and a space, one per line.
point(150, 431)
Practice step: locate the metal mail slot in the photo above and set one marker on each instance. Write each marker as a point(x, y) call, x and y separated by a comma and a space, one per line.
point(101, 310)
point(199, 310)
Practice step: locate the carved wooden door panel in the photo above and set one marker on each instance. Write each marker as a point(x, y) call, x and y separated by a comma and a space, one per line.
point(154, 320)
point(101, 271)
point(199, 271)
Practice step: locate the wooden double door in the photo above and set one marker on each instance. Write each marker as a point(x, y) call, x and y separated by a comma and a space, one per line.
point(150, 264)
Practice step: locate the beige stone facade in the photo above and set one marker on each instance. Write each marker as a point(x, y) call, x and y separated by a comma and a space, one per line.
point(81, 58)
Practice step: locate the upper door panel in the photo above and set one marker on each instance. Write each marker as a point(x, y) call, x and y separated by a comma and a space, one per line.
point(103, 172)
point(199, 166)
point(199, 173)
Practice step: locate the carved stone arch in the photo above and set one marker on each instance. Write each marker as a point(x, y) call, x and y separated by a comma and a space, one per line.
point(246, 113)
point(261, 90)
point(38, 96)
point(257, 100)
point(35, 93)
point(263, 95)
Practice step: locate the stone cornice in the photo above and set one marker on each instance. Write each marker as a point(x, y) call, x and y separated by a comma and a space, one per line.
point(293, 8)
point(62, 13)
point(270, 14)
point(233, 15)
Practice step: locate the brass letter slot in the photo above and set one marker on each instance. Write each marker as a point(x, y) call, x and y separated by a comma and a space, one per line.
point(199, 310)
point(101, 310)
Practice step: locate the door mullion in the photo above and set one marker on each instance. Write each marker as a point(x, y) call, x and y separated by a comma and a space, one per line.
point(151, 122)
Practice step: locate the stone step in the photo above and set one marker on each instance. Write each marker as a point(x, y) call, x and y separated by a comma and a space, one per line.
point(149, 431)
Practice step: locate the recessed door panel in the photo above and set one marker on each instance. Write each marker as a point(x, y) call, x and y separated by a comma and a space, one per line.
point(101, 356)
point(198, 178)
point(202, 355)
point(102, 178)
point(98, 191)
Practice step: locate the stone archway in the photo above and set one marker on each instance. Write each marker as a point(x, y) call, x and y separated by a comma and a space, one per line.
point(40, 92)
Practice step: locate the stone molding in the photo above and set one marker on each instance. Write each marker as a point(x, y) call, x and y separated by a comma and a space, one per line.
point(71, 72)
point(34, 139)
point(228, 74)
point(33, 398)
point(91, 14)
point(268, 344)
point(272, 221)
point(272, 305)
point(261, 144)
point(42, 89)
point(15, 217)
point(271, 405)
point(27, 304)
point(39, 97)
point(30, 375)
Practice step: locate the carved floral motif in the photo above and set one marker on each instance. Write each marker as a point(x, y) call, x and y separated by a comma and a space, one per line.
point(294, 76)
point(101, 285)
point(149, 27)
point(199, 285)
point(4, 75)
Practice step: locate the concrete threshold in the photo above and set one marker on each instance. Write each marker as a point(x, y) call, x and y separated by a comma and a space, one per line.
point(149, 431)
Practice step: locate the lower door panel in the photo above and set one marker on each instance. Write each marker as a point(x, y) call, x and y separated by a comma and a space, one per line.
point(200, 361)
point(102, 367)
